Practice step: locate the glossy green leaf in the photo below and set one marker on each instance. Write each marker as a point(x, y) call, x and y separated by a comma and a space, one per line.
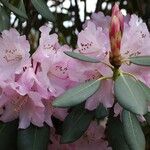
point(81, 57)
point(101, 112)
point(77, 94)
point(115, 134)
point(14, 9)
point(140, 60)
point(8, 135)
point(130, 95)
point(33, 138)
point(4, 19)
point(75, 124)
point(42, 8)
point(145, 89)
point(133, 132)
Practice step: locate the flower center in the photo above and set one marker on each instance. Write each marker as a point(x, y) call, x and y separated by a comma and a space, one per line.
point(85, 47)
point(49, 47)
point(59, 70)
point(12, 55)
point(19, 102)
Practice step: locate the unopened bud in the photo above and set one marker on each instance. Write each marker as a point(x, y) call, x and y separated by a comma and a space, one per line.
point(116, 12)
point(115, 34)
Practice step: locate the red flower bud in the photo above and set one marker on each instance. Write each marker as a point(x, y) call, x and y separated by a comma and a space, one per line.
point(115, 34)
point(116, 12)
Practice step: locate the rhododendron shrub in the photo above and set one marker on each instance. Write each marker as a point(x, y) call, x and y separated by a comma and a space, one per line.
point(95, 96)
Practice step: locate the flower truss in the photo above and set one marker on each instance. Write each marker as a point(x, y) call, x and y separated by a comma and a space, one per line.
point(107, 70)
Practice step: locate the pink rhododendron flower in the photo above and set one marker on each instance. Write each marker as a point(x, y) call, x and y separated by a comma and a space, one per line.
point(14, 53)
point(53, 62)
point(55, 72)
point(24, 91)
point(29, 108)
point(92, 41)
point(48, 44)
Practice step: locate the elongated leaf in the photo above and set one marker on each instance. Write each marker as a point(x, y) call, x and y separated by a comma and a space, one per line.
point(75, 124)
point(115, 134)
point(22, 8)
point(133, 132)
point(101, 112)
point(14, 9)
point(130, 95)
point(4, 19)
point(77, 94)
point(18, 4)
point(81, 57)
point(33, 138)
point(8, 135)
point(140, 60)
point(42, 8)
point(146, 90)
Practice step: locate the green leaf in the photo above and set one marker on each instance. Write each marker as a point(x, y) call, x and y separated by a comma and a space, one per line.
point(18, 4)
point(101, 112)
point(115, 134)
point(22, 8)
point(33, 138)
point(75, 124)
point(77, 94)
point(140, 60)
point(129, 94)
point(8, 135)
point(4, 19)
point(42, 8)
point(133, 132)
point(82, 57)
point(145, 89)
point(14, 9)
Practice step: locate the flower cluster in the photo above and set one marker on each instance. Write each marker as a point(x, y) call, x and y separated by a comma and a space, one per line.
point(29, 84)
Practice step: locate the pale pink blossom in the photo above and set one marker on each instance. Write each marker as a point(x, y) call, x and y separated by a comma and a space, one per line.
point(14, 53)
point(54, 73)
point(54, 64)
point(100, 20)
point(92, 41)
point(48, 44)
point(29, 108)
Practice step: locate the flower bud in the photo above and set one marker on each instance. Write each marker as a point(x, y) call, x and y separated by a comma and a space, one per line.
point(116, 12)
point(115, 35)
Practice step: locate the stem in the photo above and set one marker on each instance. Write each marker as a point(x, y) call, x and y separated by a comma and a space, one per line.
point(116, 73)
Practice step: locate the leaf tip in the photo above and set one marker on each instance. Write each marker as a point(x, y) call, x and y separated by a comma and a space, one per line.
point(55, 103)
